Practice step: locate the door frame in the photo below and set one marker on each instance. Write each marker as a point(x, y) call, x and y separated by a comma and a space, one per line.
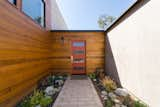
point(85, 70)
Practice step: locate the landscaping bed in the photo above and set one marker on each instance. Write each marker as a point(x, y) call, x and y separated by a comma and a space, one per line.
point(46, 92)
point(110, 94)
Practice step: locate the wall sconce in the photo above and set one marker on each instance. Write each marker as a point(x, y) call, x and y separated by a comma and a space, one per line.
point(62, 40)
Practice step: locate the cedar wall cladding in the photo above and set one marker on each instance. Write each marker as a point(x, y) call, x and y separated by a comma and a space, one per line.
point(25, 50)
point(28, 52)
point(62, 51)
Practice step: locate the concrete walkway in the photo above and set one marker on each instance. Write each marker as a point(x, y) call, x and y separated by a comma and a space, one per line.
point(78, 93)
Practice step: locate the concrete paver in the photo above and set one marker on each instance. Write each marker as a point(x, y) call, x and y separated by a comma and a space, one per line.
point(78, 93)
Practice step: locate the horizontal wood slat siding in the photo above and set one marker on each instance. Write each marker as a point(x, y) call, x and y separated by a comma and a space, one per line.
point(28, 53)
point(25, 56)
point(94, 50)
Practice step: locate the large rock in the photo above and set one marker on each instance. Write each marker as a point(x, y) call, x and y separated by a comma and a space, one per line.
point(123, 106)
point(94, 80)
point(105, 98)
point(116, 101)
point(104, 93)
point(112, 95)
point(59, 82)
point(38, 106)
point(117, 105)
point(57, 89)
point(49, 91)
point(121, 92)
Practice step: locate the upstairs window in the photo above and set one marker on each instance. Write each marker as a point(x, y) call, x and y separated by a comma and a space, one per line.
point(12, 1)
point(35, 9)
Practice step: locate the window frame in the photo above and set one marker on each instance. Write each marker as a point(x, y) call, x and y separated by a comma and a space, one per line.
point(19, 7)
point(44, 9)
point(14, 2)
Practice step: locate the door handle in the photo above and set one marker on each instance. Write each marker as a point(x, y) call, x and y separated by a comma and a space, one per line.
point(71, 59)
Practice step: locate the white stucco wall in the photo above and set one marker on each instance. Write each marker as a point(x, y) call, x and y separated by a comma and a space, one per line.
point(57, 20)
point(136, 48)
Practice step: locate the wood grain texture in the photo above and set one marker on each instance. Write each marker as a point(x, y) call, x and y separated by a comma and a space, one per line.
point(24, 54)
point(29, 52)
point(94, 50)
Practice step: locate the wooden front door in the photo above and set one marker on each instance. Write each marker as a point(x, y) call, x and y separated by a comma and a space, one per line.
point(78, 57)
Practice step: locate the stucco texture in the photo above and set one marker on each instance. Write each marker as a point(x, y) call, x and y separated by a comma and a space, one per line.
point(135, 44)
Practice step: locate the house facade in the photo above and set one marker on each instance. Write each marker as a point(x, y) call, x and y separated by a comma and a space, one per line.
point(35, 41)
point(44, 12)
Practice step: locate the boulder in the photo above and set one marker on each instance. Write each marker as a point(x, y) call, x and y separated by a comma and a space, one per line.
point(117, 105)
point(57, 89)
point(94, 80)
point(123, 106)
point(116, 101)
point(105, 98)
point(121, 92)
point(104, 93)
point(38, 106)
point(59, 82)
point(49, 91)
point(112, 95)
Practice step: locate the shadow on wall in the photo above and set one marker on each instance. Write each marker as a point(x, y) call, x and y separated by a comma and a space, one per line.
point(110, 65)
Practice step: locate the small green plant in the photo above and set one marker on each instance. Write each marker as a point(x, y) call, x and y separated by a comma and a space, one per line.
point(50, 80)
point(24, 103)
point(36, 98)
point(109, 84)
point(139, 104)
point(39, 98)
point(109, 103)
point(92, 75)
point(45, 101)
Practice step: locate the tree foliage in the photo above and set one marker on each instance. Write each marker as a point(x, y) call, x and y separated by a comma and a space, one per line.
point(104, 21)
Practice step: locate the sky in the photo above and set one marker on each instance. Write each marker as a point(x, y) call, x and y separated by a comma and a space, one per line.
point(84, 14)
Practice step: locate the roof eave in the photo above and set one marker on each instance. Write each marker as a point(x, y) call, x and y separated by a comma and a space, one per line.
point(119, 19)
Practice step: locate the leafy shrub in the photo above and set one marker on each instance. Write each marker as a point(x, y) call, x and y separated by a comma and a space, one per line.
point(128, 101)
point(139, 104)
point(45, 101)
point(109, 84)
point(92, 75)
point(45, 82)
point(38, 98)
point(24, 103)
point(109, 103)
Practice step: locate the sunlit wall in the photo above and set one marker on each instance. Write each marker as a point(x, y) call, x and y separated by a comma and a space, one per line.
point(136, 48)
